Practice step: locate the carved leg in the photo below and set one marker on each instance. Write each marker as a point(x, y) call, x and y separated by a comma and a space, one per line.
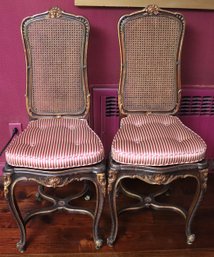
point(9, 195)
point(100, 194)
point(201, 187)
point(112, 193)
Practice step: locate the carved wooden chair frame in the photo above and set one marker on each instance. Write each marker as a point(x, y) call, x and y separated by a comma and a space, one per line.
point(94, 174)
point(152, 175)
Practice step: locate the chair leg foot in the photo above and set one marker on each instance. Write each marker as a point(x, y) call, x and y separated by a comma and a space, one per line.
point(20, 246)
point(110, 241)
point(98, 244)
point(87, 197)
point(190, 239)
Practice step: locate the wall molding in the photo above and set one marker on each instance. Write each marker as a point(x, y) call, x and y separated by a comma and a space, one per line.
point(184, 4)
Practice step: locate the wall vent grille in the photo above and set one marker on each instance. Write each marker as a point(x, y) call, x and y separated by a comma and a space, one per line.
point(190, 105)
point(111, 106)
point(196, 105)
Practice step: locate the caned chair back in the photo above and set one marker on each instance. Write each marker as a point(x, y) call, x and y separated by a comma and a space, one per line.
point(150, 44)
point(56, 45)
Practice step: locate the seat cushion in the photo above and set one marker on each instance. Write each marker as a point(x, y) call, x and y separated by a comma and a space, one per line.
point(156, 140)
point(55, 144)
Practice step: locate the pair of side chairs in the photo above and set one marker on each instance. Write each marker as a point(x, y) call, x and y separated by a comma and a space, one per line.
point(58, 146)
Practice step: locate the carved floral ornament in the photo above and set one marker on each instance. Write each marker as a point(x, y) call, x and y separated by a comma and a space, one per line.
point(55, 12)
point(53, 181)
point(152, 9)
point(161, 179)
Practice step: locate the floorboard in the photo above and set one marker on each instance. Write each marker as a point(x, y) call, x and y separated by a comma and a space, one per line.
point(146, 233)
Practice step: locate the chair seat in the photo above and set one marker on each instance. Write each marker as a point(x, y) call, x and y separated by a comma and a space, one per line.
point(55, 144)
point(156, 140)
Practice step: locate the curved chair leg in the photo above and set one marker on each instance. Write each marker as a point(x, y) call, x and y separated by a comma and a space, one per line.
point(201, 188)
point(100, 194)
point(112, 193)
point(17, 214)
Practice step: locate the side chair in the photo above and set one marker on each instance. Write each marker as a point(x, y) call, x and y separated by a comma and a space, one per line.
point(58, 146)
point(153, 145)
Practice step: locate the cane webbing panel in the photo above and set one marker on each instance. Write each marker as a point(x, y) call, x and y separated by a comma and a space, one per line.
point(56, 48)
point(151, 44)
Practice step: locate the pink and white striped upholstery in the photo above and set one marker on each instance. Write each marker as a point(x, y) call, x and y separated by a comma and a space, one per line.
point(156, 140)
point(55, 144)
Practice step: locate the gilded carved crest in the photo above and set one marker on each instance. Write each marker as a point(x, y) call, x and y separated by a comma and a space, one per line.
point(152, 9)
point(55, 12)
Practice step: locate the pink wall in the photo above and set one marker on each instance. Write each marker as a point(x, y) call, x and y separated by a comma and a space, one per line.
point(103, 55)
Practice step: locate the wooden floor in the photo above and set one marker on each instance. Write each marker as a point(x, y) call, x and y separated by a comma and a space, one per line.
point(146, 233)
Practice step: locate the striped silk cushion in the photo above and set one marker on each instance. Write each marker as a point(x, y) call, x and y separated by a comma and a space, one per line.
point(156, 140)
point(55, 144)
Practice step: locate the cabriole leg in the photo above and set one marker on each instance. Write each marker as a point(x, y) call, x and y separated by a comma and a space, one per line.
point(201, 188)
point(100, 194)
point(9, 185)
point(112, 195)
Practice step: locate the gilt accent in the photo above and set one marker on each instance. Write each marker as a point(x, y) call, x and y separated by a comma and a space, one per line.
point(158, 179)
point(112, 175)
point(101, 179)
point(55, 12)
point(152, 9)
point(7, 182)
point(204, 177)
point(53, 181)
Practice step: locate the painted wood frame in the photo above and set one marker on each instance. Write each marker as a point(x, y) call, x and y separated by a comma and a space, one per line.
point(190, 4)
